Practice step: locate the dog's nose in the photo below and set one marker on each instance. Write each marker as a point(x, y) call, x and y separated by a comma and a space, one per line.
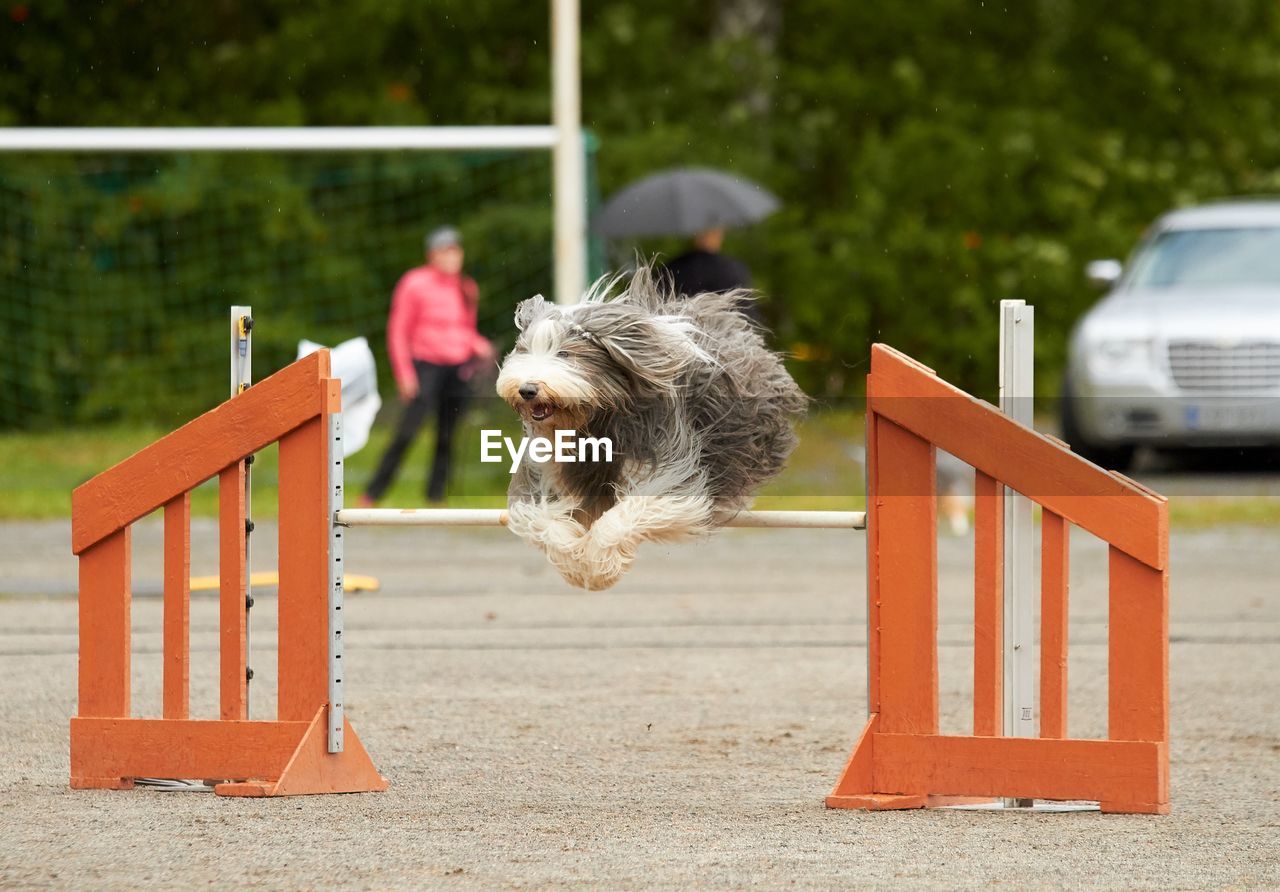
point(529, 391)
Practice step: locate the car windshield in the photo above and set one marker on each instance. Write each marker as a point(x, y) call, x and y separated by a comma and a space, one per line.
point(1193, 257)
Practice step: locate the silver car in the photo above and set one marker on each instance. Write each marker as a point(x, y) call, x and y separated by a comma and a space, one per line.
point(1184, 350)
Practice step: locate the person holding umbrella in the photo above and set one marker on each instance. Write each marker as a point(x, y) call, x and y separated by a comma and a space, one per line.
point(691, 201)
point(703, 268)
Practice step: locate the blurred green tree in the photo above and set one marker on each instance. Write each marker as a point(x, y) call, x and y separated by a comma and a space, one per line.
point(934, 157)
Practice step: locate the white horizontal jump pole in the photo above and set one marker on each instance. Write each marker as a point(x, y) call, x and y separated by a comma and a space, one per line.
point(497, 517)
point(266, 139)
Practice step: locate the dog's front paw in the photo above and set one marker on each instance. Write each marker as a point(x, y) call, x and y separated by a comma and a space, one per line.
point(611, 530)
point(602, 564)
point(576, 575)
point(524, 519)
point(551, 527)
point(598, 581)
point(548, 525)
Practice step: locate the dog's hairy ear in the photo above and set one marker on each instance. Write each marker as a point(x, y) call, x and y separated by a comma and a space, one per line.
point(653, 351)
point(528, 310)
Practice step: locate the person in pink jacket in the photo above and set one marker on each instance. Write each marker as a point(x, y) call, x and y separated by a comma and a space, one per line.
point(431, 337)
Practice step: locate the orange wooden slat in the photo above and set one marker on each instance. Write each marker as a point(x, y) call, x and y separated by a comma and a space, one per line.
point(1021, 767)
point(198, 450)
point(232, 617)
point(1138, 651)
point(905, 564)
point(304, 567)
point(177, 607)
point(1055, 537)
point(988, 606)
point(873, 579)
point(105, 626)
point(182, 749)
point(1109, 506)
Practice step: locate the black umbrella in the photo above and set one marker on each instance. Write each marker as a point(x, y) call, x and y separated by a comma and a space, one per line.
point(682, 202)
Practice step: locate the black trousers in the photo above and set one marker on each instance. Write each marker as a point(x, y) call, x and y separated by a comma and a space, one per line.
point(440, 389)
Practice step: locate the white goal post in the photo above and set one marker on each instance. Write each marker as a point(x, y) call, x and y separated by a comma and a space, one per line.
point(563, 138)
point(267, 139)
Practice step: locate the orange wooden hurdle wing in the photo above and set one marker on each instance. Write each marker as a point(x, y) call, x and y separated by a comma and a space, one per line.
point(288, 756)
point(899, 760)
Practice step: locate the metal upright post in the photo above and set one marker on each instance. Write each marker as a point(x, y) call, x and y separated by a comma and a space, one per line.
point(569, 182)
point(1017, 349)
point(241, 378)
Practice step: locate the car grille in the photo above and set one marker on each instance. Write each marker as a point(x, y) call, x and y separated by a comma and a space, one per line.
point(1204, 365)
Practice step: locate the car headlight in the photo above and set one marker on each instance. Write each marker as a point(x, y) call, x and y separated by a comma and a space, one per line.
point(1121, 356)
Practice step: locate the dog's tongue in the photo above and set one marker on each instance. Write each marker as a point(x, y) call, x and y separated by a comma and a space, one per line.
point(541, 411)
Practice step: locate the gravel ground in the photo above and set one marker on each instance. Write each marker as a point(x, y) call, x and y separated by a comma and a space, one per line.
point(681, 730)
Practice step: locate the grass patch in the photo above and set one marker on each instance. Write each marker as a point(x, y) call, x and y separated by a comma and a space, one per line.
point(1200, 512)
point(38, 471)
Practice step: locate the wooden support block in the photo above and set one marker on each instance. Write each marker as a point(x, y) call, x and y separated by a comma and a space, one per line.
point(877, 802)
point(854, 789)
point(856, 779)
point(313, 770)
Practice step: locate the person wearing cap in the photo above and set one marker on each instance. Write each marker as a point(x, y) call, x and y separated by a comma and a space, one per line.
point(432, 340)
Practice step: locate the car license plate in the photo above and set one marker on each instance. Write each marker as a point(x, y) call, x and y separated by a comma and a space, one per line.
point(1259, 416)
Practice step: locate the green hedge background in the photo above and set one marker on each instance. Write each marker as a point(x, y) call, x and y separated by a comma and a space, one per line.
point(934, 158)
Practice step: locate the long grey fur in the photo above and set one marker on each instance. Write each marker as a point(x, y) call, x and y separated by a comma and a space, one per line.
point(700, 413)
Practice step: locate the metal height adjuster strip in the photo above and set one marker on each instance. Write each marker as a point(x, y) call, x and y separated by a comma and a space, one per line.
point(335, 584)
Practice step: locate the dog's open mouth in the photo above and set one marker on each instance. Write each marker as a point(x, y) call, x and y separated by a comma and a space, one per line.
point(541, 411)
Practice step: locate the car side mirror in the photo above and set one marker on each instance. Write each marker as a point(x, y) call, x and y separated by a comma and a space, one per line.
point(1103, 273)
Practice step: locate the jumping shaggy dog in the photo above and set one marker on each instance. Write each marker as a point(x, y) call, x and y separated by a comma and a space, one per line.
point(698, 411)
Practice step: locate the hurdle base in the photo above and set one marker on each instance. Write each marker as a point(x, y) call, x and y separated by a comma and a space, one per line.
point(313, 770)
point(1133, 808)
point(246, 758)
point(101, 783)
point(893, 771)
point(900, 801)
point(877, 801)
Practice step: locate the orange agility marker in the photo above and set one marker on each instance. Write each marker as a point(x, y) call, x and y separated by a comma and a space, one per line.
point(900, 760)
point(293, 755)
